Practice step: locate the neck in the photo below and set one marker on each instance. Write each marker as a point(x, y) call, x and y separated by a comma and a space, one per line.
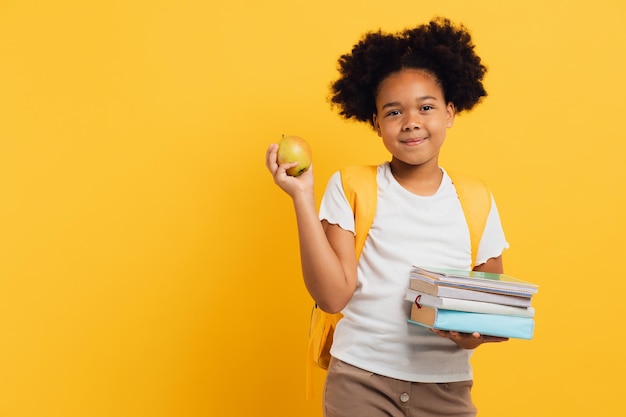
point(423, 179)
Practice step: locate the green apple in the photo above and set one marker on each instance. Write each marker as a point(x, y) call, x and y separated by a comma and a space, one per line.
point(291, 149)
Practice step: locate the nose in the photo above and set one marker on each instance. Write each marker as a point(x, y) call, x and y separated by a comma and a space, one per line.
point(412, 122)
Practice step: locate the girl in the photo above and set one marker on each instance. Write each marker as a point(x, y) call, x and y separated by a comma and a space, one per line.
point(409, 86)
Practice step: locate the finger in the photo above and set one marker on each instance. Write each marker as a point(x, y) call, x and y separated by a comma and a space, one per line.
point(442, 333)
point(282, 168)
point(271, 161)
point(489, 339)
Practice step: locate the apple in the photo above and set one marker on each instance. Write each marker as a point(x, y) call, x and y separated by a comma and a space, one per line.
point(291, 149)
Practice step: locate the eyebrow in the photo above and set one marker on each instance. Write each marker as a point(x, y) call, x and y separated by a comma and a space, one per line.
point(397, 103)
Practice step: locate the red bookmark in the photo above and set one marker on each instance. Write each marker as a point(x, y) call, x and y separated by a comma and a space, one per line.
point(417, 299)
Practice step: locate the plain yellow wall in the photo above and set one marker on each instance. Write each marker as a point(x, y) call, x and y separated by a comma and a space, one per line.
point(149, 266)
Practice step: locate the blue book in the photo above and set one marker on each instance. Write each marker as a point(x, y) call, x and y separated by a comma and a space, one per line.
point(467, 322)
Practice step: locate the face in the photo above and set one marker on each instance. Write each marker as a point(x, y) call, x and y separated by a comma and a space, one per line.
point(412, 117)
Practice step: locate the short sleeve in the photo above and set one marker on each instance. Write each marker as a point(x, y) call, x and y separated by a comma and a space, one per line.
point(334, 207)
point(493, 241)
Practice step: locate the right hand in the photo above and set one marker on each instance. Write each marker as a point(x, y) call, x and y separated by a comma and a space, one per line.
point(291, 185)
point(469, 340)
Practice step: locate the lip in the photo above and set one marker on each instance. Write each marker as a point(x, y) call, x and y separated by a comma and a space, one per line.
point(413, 141)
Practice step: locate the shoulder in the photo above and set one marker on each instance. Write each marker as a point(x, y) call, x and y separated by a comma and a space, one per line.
point(360, 178)
point(358, 172)
point(469, 187)
point(460, 179)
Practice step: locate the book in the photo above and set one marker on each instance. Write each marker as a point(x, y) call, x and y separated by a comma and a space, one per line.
point(469, 294)
point(482, 281)
point(445, 303)
point(466, 322)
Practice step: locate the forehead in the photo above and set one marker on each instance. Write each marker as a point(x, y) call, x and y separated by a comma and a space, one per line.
point(409, 82)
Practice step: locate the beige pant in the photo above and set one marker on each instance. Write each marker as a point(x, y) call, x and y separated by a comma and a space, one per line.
point(351, 391)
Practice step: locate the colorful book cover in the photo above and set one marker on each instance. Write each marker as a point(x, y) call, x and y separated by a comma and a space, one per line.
point(461, 321)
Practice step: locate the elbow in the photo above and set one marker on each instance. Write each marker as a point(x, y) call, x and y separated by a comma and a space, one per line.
point(328, 309)
point(331, 299)
point(330, 306)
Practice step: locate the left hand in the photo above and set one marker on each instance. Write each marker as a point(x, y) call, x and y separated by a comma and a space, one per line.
point(469, 340)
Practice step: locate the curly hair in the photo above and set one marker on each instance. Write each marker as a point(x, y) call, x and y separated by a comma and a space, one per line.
point(438, 47)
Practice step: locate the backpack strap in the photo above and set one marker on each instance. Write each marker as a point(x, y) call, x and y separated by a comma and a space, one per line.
point(475, 201)
point(361, 190)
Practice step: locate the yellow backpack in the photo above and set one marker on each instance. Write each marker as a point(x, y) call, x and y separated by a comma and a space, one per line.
point(361, 190)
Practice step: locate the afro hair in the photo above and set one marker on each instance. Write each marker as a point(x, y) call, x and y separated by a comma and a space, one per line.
point(438, 47)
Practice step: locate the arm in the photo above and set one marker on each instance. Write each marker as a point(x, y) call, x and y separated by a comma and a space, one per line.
point(492, 265)
point(327, 252)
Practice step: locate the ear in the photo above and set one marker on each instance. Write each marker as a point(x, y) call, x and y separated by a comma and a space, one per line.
point(451, 113)
point(376, 125)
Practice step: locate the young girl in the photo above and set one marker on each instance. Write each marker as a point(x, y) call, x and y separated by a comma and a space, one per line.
point(409, 86)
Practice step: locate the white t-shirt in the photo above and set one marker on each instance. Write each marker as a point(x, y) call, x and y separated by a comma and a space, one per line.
point(408, 229)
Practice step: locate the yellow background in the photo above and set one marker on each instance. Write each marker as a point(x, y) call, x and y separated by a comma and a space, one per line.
point(148, 264)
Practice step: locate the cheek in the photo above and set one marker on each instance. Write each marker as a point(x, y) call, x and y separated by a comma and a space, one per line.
point(386, 131)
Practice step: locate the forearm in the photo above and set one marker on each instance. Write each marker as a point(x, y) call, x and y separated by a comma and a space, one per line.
point(324, 275)
point(494, 265)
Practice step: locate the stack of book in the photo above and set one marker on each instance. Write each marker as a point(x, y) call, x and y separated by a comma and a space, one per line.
point(472, 301)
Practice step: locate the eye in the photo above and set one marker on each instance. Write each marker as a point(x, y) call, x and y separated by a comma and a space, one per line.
point(427, 107)
point(393, 113)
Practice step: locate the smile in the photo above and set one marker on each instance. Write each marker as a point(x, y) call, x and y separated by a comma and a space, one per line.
point(413, 141)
